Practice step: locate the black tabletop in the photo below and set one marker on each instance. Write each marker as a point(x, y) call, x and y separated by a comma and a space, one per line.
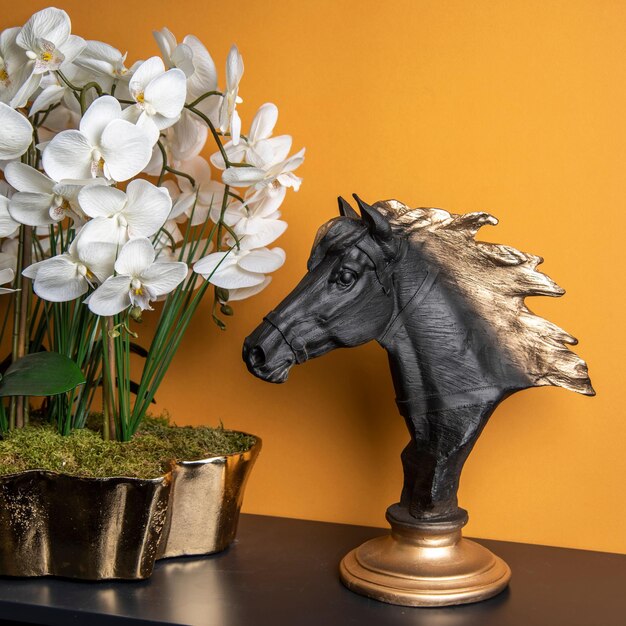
point(285, 572)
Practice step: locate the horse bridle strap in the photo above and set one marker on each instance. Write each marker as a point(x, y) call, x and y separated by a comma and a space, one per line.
point(417, 298)
point(296, 343)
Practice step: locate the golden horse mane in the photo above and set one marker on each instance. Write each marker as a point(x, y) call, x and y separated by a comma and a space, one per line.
point(495, 279)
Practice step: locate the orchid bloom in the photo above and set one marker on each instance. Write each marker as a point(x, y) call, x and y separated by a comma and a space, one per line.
point(257, 203)
point(259, 148)
point(7, 275)
point(49, 46)
point(159, 96)
point(13, 62)
point(104, 145)
point(63, 117)
point(274, 177)
point(261, 203)
point(139, 280)
point(138, 212)
point(8, 226)
point(255, 225)
point(229, 118)
point(103, 60)
point(16, 135)
point(182, 141)
point(257, 231)
point(53, 90)
point(206, 195)
point(244, 268)
point(166, 240)
point(39, 200)
point(190, 56)
point(88, 261)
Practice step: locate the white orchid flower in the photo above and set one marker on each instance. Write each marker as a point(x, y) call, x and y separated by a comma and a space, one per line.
point(229, 118)
point(67, 276)
point(61, 118)
point(139, 280)
point(166, 240)
point(261, 203)
point(49, 46)
point(138, 212)
point(181, 203)
point(209, 192)
point(255, 225)
point(190, 56)
point(39, 200)
point(159, 96)
point(13, 62)
point(274, 177)
point(182, 141)
point(234, 269)
point(102, 59)
point(16, 133)
point(8, 226)
point(7, 275)
point(243, 293)
point(235, 211)
point(53, 91)
point(104, 145)
point(256, 222)
point(8, 254)
point(255, 231)
point(259, 148)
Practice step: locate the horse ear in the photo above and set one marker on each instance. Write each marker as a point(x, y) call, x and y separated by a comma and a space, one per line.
point(377, 223)
point(345, 210)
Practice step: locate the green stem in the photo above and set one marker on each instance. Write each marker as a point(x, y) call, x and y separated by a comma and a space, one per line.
point(209, 123)
point(204, 96)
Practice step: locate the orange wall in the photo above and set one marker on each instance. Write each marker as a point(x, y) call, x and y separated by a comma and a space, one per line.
point(515, 107)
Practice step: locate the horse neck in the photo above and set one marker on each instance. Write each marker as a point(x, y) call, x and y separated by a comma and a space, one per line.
point(441, 353)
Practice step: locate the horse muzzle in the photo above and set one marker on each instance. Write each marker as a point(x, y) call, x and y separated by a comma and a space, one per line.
point(267, 354)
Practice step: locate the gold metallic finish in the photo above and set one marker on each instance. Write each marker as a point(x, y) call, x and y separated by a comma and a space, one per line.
point(205, 501)
point(496, 279)
point(88, 528)
point(418, 566)
point(116, 528)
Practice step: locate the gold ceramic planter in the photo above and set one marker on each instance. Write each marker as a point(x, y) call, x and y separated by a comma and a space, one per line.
point(116, 528)
point(205, 501)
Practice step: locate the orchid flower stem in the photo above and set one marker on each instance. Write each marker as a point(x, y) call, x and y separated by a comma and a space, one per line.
point(47, 112)
point(233, 235)
point(108, 378)
point(83, 95)
point(177, 312)
point(171, 170)
point(236, 197)
point(164, 166)
point(66, 81)
point(20, 319)
point(216, 137)
point(204, 96)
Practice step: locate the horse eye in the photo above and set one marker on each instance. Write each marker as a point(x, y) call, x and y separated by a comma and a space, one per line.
point(346, 278)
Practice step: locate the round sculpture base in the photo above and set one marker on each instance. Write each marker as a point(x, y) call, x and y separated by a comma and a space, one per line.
point(427, 564)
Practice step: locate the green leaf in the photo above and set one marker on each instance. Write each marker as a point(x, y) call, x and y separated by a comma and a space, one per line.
point(41, 374)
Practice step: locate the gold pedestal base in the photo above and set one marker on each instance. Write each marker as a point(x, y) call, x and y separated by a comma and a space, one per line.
point(426, 565)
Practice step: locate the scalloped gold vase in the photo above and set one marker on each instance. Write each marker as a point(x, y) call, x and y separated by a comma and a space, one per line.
point(116, 528)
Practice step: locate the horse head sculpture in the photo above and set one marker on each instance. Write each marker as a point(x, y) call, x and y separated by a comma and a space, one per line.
point(450, 312)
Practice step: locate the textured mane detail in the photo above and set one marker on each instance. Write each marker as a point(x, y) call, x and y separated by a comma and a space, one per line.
point(495, 280)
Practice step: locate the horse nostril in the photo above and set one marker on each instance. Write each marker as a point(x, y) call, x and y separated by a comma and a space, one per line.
point(256, 358)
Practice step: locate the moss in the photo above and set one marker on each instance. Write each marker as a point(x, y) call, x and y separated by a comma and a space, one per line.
point(85, 453)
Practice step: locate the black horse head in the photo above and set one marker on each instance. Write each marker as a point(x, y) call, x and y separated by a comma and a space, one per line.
point(350, 271)
point(450, 312)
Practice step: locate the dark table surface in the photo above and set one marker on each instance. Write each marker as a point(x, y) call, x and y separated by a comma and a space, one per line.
point(284, 572)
